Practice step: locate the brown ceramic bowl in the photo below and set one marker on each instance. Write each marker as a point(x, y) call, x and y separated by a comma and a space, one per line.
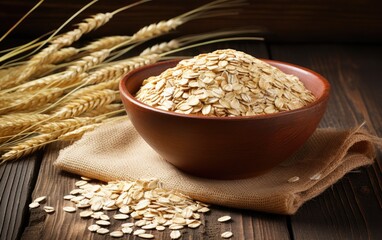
point(225, 147)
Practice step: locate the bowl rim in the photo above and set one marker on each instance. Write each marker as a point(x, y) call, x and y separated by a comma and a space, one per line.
point(324, 97)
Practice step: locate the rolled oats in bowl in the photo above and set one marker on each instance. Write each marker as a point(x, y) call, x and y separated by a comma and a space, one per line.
point(224, 83)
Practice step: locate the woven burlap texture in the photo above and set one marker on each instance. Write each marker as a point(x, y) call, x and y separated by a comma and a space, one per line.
point(117, 152)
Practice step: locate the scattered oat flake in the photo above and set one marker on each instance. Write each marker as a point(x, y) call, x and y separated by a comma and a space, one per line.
point(69, 209)
point(204, 210)
point(103, 231)
point(149, 226)
point(160, 228)
point(127, 230)
point(224, 219)
point(68, 197)
point(40, 199)
point(316, 177)
point(86, 213)
point(81, 183)
point(121, 216)
point(139, 231)
point(34, 205)
point(93, 227)
point(104, 217)
point(129, 224)
point(103, 222)
point(146, 235)
point(116, 234)
point(86, 178)
point(293, 179)
point(175, 226)
point(124, 209)
point(227, 234)
point(48, 209)
point(175, 234)
point(194, 224)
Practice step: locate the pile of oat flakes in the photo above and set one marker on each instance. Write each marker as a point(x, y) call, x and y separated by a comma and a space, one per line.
point(224, 83)
point(149, 205)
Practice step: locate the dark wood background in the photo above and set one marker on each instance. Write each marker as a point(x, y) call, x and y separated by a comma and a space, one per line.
point(282, 20)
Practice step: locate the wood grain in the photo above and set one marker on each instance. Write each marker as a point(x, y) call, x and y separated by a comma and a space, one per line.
point(352, 208)
point(282, 20)
point(17, 180)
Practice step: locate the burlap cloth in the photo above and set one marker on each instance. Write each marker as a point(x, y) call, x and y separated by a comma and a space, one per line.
point(116, 151)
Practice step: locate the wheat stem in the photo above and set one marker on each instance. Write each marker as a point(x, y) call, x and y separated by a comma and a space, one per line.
point(27, 147)
point(67, 125)
point(15, 123)
point(22, 19)
point(33, 101)
point(78, 133)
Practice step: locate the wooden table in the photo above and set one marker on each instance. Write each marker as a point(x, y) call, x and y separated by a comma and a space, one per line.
point(350, 209)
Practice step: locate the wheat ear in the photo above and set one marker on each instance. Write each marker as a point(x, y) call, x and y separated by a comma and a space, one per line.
point(33, 101)
point(15, 123)
point(86, 103)
point(78, 133)
point(63, 54)
point(62, 79)
point(67, 125)
point(103, 110)
point(117, 69)
point(111, 84)
point(160, 48)
point(71, 74)
point(7, 84)
point(66, 39)
point(105, 42)
point(162, 27)
point(28, 146)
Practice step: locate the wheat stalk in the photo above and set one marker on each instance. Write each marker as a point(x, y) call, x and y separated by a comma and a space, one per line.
point(87, 62)
point(160, 48)
point(118, 69)
point(33, 101)
point(78, 133)
point(66, 39)
point(103, 110)
point(111, 84)
point(62, 79)
point(86, 103)
point(15, 123)
point(106, 42)
point(67, 125)
point(68, 76)
point(63, 54)
point(27, 147)
point(18, 22)
point(7, 82)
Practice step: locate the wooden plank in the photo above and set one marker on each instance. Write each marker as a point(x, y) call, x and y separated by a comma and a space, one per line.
point(351, 209)
point(56, 184)
point(313, 20)
point(16, 183)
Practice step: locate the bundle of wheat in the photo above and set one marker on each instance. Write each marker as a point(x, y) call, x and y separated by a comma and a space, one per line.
point(60, 92)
